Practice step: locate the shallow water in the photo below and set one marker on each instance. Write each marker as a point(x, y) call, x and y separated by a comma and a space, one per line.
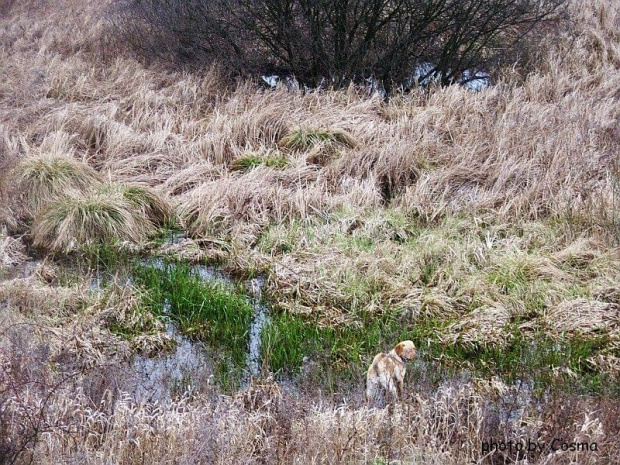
point(260, 318)
point(189, 364)
point(161, 378)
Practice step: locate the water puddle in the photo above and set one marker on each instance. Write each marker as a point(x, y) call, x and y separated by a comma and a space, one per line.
point(185, 368)
point(189, 366)
point(210, 273)
point(259, 320)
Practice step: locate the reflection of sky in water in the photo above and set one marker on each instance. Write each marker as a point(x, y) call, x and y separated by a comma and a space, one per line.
point(189, 364)
point(159, 378)
point(470, 79)
point(423, 75)
point(259, 320)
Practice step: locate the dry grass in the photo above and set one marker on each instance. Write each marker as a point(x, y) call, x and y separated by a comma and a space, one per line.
point(262, 424)
point(473, 209)
point(12, 252)
point(46, 178)
point(99, 216)
point(585, 316)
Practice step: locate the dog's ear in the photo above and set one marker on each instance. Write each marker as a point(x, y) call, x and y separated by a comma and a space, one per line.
point(400, 347)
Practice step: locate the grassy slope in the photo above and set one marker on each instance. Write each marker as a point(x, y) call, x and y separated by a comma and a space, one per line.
point(472, 216)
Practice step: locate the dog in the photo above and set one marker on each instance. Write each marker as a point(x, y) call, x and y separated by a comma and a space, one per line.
point(386, 373)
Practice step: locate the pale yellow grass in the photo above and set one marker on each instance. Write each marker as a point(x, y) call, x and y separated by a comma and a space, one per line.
point(543, 148)
point(252, 428)
point(473, 208)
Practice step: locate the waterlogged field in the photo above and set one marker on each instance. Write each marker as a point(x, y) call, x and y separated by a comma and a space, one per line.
point(200, 271)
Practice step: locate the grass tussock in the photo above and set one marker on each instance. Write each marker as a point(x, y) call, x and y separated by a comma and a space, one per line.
point(82, 219)
point(102, 214)
point(583, 316)
point(45, 178)
point(148, 203)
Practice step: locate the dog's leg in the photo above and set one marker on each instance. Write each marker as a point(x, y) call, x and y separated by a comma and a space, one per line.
point(401, 385)
point(372, 392)
point(393, 389)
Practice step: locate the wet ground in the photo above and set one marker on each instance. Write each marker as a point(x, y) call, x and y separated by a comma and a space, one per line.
point(189, 365)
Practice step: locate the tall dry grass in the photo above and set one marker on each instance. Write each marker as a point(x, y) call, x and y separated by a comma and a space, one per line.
point(471, 208)
point(513, 151)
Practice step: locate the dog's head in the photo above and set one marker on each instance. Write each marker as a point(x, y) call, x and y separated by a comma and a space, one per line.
point(405, 350)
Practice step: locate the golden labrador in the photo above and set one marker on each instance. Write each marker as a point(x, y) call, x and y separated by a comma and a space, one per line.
point(387, 372)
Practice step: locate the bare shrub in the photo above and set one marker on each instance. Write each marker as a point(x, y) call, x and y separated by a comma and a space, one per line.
point(25, 390)
point(334, 43)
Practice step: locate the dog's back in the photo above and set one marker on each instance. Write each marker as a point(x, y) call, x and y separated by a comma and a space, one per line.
point(382, 377)
point(386, 373)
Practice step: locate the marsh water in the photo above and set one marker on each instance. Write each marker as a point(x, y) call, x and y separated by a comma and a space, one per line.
point(188, 365)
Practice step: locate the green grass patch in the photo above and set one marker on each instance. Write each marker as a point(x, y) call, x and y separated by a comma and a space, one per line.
point(250, 161)
point(547, 362)
point(203, 311)
point(283, 238)
point(511, 274)
point(336, 354)
point(305, 138)
point(337, 357)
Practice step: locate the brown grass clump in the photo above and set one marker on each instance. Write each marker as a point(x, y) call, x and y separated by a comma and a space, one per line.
point(583, 316)
point(8, 160)
point(83, 219)
point(31, 295)
point(123, 312)
point(103, 214)
point(265, 195)
point(46, 178)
